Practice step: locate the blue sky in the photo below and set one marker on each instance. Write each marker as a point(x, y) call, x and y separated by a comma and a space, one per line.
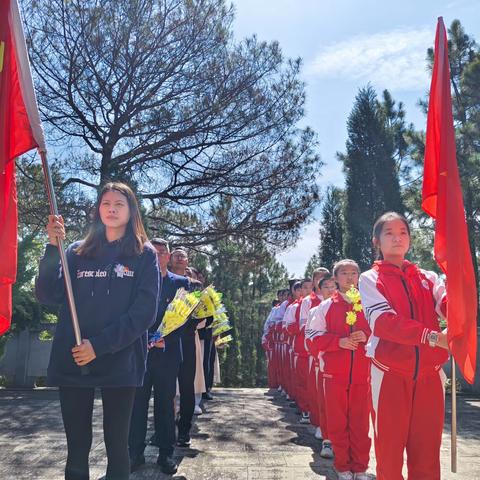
point(344, 45)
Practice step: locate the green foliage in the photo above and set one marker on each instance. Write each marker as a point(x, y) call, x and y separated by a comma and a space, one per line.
point(26, 310)
point(372, 185)
point(248, 275)
point(312, 264)
point(331, 232)
point(331, 228)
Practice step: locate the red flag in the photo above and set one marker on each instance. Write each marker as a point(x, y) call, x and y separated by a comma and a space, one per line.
point(443, 201)
point(20, 131)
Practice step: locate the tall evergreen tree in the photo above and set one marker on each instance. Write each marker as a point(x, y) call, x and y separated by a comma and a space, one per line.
point(372, 185)
point(331, 228)
point(312, 264)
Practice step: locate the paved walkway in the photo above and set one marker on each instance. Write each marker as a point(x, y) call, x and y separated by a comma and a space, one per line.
point(246, 434)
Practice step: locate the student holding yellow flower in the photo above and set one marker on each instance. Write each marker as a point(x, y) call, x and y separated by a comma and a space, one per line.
point(338, 332)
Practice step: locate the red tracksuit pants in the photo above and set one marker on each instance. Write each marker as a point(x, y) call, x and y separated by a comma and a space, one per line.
point(348, 409)
point(271, 369)
point(291, 363)
point(322, 411)
point(301, 380)
point(281, 365)
point(408, 415)
point(312, 392)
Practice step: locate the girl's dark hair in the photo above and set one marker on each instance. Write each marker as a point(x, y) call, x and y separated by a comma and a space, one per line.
point(378, 227)
point(346, 262)
point(325, 279)
point(135, 236)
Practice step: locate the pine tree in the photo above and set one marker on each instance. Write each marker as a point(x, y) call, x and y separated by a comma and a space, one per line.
point(248, 276)
point(372, 185)
point(331, 228)
point(312, 264)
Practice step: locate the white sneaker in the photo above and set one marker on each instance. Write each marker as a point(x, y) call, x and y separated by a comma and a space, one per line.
point(361, 476)
point(345, 476)
point(305, 418)
point(327, 450)
point(318, 433)
point(198, 410)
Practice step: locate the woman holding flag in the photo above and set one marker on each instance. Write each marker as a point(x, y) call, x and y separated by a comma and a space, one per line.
point(115, 282)
point(402, 304)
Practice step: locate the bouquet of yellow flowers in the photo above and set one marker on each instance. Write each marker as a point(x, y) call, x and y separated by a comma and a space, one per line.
point(210, 303)
point(221, 328)
point(354, 296)
point(178, 311)
point(223, 340)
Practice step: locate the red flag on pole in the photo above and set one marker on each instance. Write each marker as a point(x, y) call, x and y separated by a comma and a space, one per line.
point(443, 201)
point(20, 131)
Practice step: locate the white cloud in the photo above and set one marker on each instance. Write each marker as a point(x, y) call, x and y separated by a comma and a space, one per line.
point(393, 60)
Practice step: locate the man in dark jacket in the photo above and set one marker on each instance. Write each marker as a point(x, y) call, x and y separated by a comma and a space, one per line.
point(163, 364)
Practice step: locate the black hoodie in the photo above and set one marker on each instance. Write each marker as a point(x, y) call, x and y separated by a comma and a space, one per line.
point(116, 300)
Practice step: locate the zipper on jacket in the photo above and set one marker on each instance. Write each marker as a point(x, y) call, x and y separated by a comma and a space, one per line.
point(352, 352)
point(417, 351)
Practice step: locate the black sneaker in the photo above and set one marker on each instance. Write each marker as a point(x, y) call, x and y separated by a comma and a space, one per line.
point(183, 440)
point(136, 462)
point(167, 464)
point(207, 396)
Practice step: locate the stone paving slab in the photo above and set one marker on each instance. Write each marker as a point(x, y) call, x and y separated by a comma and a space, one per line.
point(245, 434)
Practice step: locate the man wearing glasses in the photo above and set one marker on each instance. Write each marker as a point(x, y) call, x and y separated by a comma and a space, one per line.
point(186, 375)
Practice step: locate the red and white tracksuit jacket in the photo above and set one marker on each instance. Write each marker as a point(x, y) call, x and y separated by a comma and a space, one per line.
point(345, 382)
point(290, 362)
point(402, 306)
point(277, 318)
point(268, 344)
point(315, 397)
point(300, 381)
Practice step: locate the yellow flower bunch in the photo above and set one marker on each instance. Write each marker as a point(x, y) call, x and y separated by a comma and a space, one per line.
point(210, 303)
point(354, 296)
point(219, 318)
point(178, 311)
point(220, 323)
point(223, 340)
point(221, 328)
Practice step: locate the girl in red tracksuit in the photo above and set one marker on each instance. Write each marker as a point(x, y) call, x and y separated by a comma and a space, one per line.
point(341, 339)
point(402, 304)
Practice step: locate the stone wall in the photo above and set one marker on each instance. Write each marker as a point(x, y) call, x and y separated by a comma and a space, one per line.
point(25, 358)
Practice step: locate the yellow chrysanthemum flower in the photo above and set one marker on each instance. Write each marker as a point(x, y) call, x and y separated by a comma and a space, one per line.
point(224, 327)
point(353, 295)
point(357, 307)
point(223, 340)
point(210, 303)
point(351, 318)
point(178, 311)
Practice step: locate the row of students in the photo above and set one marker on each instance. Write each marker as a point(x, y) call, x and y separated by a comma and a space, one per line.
point(378, 358)
point(122, 286)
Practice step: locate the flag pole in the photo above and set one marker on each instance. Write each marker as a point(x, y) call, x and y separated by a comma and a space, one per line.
point(63, 258)
point(453, 439)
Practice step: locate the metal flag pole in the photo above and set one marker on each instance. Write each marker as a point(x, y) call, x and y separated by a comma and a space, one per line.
point(453, 439)
point(63, 258)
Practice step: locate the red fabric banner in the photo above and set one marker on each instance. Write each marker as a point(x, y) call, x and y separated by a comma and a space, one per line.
point(443, 201)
